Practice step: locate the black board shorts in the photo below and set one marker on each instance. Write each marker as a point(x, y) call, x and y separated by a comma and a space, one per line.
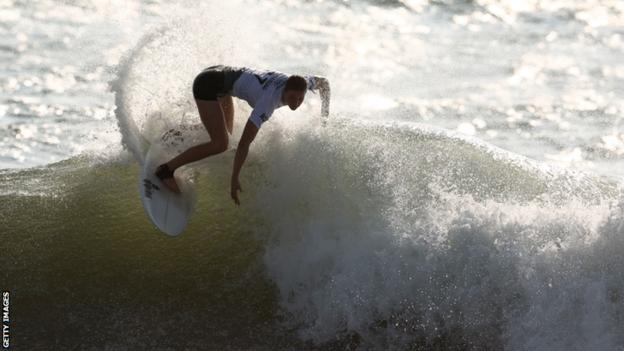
point(215, 81)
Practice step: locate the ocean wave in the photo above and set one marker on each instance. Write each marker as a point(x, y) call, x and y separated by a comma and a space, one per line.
point(406, 235)
point(387, 235)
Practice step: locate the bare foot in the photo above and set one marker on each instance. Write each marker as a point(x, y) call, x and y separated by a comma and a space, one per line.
point(171, 184)
point(166, 177)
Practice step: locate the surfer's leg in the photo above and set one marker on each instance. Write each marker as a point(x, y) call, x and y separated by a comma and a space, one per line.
point(228, 110)
point(212, 117)
point(207, 87)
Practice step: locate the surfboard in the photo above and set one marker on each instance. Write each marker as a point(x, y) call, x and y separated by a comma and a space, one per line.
point(168, 211)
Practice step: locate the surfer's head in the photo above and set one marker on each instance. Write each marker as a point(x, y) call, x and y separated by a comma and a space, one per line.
point(294, 91)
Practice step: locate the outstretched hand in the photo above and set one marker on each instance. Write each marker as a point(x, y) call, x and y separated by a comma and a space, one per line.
point(235, 187)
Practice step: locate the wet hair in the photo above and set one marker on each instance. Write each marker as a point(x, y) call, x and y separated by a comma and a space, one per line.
point(297, 83)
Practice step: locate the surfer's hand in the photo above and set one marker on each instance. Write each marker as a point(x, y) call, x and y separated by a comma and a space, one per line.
point(235, 187)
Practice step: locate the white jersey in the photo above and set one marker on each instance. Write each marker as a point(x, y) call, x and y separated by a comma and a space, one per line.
point(263, 91)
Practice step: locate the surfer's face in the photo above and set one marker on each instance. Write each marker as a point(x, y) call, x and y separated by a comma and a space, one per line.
point(293, 98)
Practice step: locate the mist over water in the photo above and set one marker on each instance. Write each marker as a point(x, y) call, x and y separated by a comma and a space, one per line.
point(463, 194)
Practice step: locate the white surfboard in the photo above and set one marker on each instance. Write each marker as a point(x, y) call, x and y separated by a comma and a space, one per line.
point(170, 212)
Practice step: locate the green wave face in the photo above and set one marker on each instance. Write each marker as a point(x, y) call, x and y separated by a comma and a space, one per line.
point(86, 268)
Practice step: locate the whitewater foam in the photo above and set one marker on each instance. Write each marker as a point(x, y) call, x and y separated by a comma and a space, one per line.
point(412, 235)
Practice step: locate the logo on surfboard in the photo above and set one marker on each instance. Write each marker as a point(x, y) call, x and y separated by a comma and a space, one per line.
point(149, 187)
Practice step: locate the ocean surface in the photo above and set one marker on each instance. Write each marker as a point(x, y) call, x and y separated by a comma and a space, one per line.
point(465, 192)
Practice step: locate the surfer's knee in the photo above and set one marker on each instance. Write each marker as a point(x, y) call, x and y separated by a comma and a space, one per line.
point(222, 143)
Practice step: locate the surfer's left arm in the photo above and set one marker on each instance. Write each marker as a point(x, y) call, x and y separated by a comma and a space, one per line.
point(249, 134)
point(322, 85)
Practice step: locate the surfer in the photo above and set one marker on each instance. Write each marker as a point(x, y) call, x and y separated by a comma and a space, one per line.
point(265, 91)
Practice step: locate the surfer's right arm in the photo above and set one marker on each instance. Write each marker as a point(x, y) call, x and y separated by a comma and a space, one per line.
point(249, 134)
